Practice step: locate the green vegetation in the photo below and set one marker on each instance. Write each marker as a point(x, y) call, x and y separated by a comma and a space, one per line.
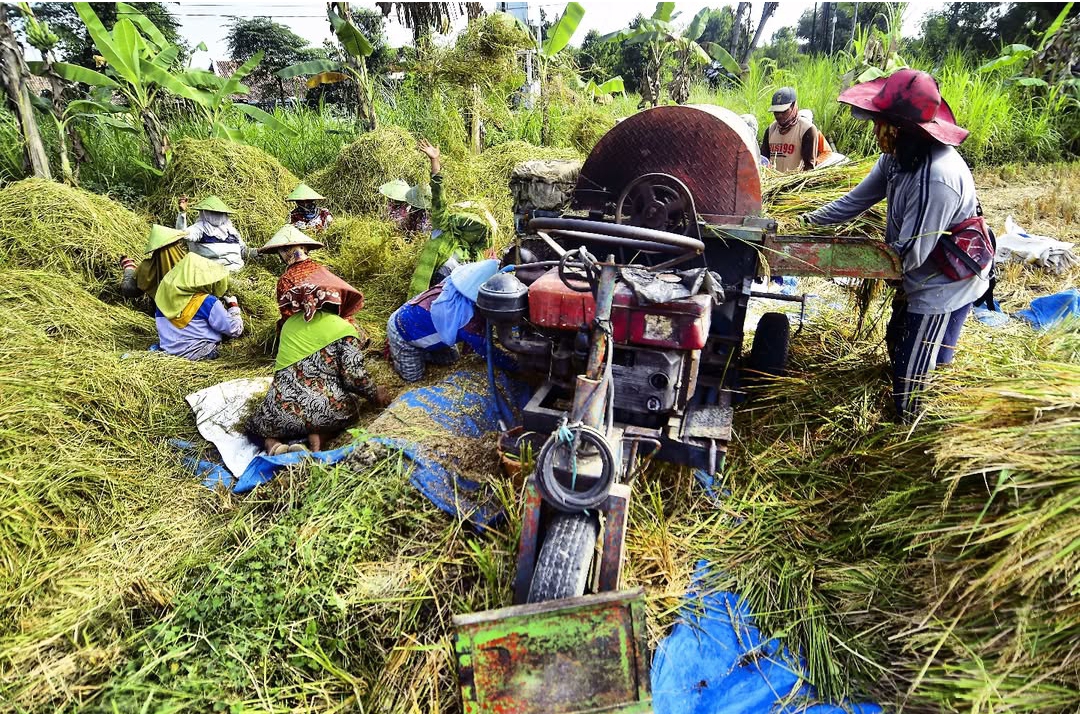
point(932, 568)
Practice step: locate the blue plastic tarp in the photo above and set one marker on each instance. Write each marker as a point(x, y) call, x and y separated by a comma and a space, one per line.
point(464, 406)
point(716, 661)
point(1047, 311)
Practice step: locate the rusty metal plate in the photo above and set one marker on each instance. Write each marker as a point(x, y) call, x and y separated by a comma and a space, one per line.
point(706, 147)
point(831, 257)
point(585, 654)
point(708, 421)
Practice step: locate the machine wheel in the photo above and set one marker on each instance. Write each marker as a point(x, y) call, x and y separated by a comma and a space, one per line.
point(769, 353)
point(562, 569)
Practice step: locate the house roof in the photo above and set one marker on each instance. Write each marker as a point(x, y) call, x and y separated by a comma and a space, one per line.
point(37, 85)
point(266, 90)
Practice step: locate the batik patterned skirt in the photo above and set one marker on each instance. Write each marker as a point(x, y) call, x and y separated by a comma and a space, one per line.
point(315, 395)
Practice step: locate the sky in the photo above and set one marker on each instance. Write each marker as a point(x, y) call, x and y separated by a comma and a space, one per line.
point(208, 21)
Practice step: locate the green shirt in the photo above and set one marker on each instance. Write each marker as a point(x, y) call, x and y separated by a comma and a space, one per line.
point(300, 338)
point(462, 231)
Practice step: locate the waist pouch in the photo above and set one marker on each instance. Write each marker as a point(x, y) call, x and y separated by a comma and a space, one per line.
point(966, 249)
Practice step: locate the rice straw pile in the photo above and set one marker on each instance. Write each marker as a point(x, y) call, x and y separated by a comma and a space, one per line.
point(370, 254)
point(351, 184)
point(49, 226)
point(587, 126)
point(247, 179)
point(486, 178)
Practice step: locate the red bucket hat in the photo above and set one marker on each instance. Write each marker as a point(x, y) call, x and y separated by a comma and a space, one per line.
point(908, 97)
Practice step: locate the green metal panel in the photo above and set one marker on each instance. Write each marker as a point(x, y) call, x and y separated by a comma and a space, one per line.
point(580, 655)
point(831, 257)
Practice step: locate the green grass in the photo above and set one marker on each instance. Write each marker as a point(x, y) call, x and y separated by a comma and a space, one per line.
point(1006, 124)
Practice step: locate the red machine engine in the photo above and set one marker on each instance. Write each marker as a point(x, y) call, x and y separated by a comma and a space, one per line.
point(680, 324)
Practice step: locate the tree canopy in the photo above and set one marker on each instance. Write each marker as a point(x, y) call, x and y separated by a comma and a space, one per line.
point(982, 28)
point(817, 28)
point(280, 46)
point(76, 46)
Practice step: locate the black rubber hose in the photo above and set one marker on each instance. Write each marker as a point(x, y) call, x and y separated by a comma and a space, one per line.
point(565, 499)
point(618, 230)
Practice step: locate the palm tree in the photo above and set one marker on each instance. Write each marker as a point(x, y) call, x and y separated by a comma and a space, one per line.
point(425, 17)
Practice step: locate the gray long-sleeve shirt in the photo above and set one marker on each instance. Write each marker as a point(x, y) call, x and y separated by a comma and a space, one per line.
point(922, 204)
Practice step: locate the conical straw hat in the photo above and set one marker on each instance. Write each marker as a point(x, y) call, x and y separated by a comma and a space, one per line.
point(161, 236)
point(289, 235)
point(212, 203)
point(303, 192)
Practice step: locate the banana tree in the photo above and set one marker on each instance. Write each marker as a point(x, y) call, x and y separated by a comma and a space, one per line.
point(601, 92)
point(691, 56)
point(662, 42)
point(140, 64)
point(44, 40)
point(212, 96)
point(356, 49)
point(558, 38)
point(13, 76)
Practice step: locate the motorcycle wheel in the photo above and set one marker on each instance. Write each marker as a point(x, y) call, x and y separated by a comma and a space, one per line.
point(562, 569)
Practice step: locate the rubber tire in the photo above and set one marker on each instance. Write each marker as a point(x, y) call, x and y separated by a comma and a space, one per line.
point(562, 569)
point(769, 353)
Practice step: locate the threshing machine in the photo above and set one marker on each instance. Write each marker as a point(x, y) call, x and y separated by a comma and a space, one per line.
point(628, 306)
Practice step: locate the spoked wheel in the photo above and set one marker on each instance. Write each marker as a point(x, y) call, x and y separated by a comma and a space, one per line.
point(657, 201)
point(562, 569)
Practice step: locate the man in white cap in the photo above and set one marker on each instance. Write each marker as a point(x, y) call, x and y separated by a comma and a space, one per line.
point(791, 141)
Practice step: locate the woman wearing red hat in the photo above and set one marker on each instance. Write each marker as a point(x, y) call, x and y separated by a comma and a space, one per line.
point(930, 191)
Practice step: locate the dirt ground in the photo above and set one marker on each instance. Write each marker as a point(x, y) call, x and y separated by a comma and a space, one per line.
point(1043, 199)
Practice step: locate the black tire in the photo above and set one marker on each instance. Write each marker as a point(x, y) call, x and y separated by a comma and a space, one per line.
point(769, 353)
point(562, 569)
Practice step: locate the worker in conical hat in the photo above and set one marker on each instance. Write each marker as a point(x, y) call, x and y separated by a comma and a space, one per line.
point(408, 207)
point(931, 197)
point(319, 370)
point(462, 232)
point(213, 235)
point(164, 249)
point(193, 313)
point(307, 215)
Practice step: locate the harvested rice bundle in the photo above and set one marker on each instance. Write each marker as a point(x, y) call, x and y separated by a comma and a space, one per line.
point(351, 184)
point(587, 126)
point(58, 307)
point(785, 197)
point(70, 232)
point(485, 53)
point(247, 179)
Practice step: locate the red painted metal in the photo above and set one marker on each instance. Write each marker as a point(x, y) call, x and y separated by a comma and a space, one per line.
point(529, 543)
point(682, 324)
point(708, 148)
point(611, 560)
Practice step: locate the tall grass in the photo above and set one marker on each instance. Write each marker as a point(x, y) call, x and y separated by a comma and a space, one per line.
point(1006, 124)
